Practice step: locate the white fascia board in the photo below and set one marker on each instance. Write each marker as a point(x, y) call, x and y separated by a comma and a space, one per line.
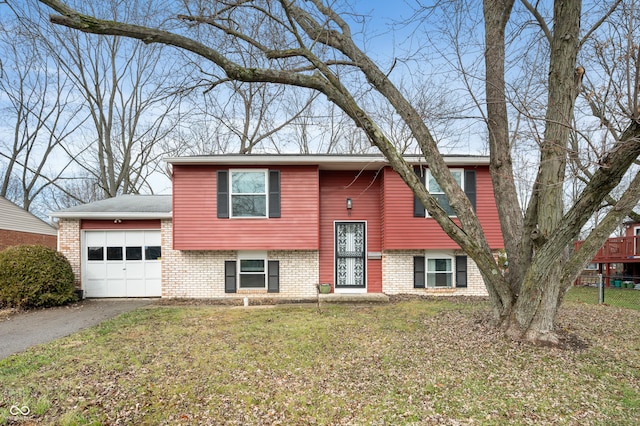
point(322, 161)
point(111, 215)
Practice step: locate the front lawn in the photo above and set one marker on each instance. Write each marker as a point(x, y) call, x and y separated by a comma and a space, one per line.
point(410, 362)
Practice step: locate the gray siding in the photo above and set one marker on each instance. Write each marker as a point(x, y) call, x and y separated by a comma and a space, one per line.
point(14, 218)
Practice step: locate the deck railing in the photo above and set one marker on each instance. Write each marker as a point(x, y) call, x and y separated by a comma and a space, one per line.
point(618, 249)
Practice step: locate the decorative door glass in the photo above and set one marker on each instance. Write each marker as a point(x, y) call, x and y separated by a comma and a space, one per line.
point(350, 252)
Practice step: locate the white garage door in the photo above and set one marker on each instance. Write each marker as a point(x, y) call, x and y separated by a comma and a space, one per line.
point(122, 264)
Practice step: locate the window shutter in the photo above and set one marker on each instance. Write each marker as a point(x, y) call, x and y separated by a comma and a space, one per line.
point(230, 276)
point(274, 193)
point(418, 272)
point(223, 194)
point(470, 186)
point(461, 271)
point(418, 208)
point(273, 282)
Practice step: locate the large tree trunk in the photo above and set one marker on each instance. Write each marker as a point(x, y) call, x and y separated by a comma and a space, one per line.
point(530, 308)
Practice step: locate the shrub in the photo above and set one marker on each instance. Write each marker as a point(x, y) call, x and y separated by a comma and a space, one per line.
point(35, 276)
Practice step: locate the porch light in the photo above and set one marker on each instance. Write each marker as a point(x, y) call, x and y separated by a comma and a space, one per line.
point(349, 204)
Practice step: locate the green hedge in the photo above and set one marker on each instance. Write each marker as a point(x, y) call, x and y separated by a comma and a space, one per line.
point(35, 276)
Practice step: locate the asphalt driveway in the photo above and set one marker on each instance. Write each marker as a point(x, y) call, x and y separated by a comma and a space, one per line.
point(23, 330)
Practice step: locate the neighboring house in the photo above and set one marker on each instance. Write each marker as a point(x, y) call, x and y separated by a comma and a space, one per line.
point(277, 226)
point(619, 257)
point(18, 226)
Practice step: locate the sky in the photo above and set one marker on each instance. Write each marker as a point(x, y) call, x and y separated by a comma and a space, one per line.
point(383, 42)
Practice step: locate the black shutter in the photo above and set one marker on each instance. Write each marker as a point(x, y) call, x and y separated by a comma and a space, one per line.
point(273, 282)
point(418, 272)
point(470, 186)
point(418, 208)
point(223, 194)
point(274, 193)
point(461, 271)
point(230, 276)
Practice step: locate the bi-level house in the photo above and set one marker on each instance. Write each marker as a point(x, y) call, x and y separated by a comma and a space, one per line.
point(276, 226)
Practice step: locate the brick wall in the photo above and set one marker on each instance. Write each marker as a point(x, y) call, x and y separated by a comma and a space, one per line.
point(10, 238)
point(69, 244)
point(200, 273)
point(397, 276)
point(299, 272)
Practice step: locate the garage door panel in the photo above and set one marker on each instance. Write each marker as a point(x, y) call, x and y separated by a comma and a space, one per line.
point(135, 238)
point(152, 238)
point(95, 288)
point(153, 286)
point(136, 288)
point(95, 270)
point(116, 288)
point(95, 239)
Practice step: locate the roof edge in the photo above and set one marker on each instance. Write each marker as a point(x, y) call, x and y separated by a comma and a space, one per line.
point(111, 215)
point(320, 160)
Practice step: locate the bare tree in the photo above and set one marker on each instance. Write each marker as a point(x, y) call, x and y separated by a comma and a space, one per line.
point(127, 93)
point(311, 45)
point(610, 94)
point(39, 116)
point(245, 116)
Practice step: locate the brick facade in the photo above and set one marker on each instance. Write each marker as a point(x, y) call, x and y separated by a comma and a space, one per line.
point(200, 273)
point(10, 238)
point(397, 276)
point(69, 244)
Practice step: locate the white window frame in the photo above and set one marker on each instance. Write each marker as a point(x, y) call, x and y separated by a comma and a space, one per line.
point(441, 192)
point(427, 272)
point(265, 173)
point(252, 255)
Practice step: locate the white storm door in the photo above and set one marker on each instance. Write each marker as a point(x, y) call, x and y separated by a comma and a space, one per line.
point(350, 250)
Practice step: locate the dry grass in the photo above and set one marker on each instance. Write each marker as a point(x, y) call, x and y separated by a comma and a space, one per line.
point(410, 362)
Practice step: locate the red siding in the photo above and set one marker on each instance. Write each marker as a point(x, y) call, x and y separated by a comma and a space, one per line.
point(16, 238)
point(123, 224)
point(197, 227)
point(364, 190)
point(404, 231)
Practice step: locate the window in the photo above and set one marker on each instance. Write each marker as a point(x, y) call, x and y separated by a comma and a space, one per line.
point(249, 193)
point(95, 253)
point(252, 273)
point(435, 190)
point(152, 252)
point(134, 253)
point(466, 179)
point(439, 272)
point(114, 253)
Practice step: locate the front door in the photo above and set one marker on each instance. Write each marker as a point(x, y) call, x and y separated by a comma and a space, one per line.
point(350, 249)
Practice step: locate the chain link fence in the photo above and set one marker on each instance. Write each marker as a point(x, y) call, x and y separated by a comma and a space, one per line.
point(614, 290)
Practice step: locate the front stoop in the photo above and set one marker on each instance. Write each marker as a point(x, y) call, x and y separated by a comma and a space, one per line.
point(354, 298)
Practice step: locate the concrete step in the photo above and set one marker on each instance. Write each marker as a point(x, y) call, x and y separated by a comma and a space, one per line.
point(354, 298)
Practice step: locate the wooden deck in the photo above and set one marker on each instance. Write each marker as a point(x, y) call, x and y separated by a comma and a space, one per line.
point(617, 250)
